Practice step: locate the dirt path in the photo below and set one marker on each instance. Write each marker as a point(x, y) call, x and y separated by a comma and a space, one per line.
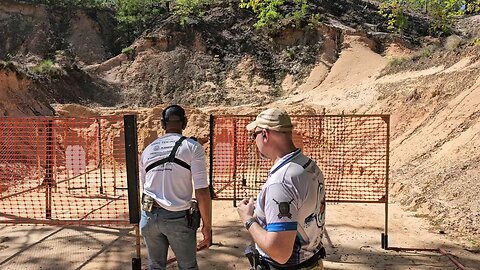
point(352, 242)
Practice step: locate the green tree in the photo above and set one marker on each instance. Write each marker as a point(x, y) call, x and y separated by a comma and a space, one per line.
point(267, 10)
point(134, 16)
point(394, 12)
point(185, 9)
point(442, 12)
point(271, 12)
point(472, 6)
point(299, 13)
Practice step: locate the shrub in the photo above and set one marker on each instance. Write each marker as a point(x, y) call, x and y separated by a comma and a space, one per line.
point(44, 67)
point(394, 62)
point(425, 52)
point(127, 50)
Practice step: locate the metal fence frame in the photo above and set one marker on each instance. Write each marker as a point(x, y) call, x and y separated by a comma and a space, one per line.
point(49, 182)
point(237, 137)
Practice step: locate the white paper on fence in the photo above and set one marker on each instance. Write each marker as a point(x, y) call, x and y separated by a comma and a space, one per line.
point(75, 157)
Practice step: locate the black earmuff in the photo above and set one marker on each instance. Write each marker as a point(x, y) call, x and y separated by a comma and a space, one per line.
point(173, 110)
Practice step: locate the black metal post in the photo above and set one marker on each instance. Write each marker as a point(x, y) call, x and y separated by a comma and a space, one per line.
point(386, 118)
point(131, 156)
point(100, 161)
point(210, 172)
point(136, 263)
point(48, 181)
point(235, 162)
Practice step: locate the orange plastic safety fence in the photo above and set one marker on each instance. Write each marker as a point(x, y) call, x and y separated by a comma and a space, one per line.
point(352, 152)
point(63, 171)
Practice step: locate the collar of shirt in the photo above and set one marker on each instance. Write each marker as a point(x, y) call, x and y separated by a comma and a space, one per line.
point(283, 161)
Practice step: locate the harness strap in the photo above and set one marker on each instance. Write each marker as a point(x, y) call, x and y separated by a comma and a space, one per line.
point(306, 164)
point(170, 158)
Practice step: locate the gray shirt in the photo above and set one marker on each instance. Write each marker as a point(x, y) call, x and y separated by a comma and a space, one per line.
point(293, 198)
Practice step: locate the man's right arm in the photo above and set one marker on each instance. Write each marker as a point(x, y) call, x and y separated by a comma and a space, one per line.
point(278, 244)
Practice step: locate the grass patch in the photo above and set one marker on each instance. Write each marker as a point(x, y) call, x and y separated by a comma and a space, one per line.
point(127, 50)
point(425, 52)
point(44, 67)
point(397, 61)
point(474, 42)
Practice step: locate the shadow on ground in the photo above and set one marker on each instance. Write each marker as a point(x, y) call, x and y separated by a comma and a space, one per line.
point(348, 247)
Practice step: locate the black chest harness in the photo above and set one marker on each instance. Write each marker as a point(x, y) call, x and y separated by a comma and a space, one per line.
point(170, 158)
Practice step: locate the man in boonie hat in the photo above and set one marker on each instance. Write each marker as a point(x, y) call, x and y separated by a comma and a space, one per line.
point(272, 119)
point(286, 222)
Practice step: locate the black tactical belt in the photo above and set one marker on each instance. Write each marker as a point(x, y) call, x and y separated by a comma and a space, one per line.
point(305, 264)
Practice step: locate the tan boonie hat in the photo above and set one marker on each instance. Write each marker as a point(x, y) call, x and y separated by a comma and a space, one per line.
point(273, 119)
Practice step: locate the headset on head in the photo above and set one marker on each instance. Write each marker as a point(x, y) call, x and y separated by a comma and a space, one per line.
point(176, 110)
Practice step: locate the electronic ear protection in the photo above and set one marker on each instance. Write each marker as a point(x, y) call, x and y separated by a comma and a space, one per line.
point(174, 110)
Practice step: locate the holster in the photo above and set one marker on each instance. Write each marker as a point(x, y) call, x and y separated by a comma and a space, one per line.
point(147, 203)
point(253, 257)
point(193, 216)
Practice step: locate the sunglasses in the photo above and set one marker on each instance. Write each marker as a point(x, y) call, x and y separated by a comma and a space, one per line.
point(255, 134)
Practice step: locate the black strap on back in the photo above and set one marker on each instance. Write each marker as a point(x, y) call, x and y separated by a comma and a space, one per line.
point(306, 164)
point(170, 158)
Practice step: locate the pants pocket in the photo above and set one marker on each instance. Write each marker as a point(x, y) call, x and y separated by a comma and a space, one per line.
point(145, 222)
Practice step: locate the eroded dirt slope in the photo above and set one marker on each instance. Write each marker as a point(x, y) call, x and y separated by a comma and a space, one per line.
point(435, 127)
point(33, 29)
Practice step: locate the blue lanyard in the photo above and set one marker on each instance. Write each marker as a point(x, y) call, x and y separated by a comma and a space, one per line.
point(285, 162)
